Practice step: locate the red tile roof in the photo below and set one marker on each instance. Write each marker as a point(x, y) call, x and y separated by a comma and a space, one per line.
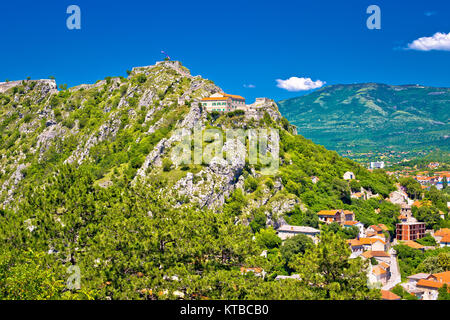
point(388, 295)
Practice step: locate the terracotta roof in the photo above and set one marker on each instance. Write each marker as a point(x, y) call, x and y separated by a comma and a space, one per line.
point(327, 212)
point(429, 283)
point(370, 254)
point(388, 295)
point(412, 244)
point(442, 277)
point(233, 96)
point(354, 242)
point(376, 228)
point(256, 270)
point(215, 99)
point(370, 240)
point(383, 227)
point(350, 223)
point(445, 239)
point(384, 265)
point(378, 271)
point(418, 204)
point(442, 232)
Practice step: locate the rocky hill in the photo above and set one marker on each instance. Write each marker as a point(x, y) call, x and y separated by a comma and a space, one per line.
point(373, 117)
point(91, 178)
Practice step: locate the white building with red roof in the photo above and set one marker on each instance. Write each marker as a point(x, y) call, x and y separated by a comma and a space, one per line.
point(223, 102)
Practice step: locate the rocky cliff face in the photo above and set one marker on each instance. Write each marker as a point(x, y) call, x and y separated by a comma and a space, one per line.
point(129, 127)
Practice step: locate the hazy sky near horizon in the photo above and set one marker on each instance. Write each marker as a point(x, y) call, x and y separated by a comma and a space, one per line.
point(243, 46)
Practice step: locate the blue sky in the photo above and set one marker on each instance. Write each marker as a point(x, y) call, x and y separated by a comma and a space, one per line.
point(233, 43)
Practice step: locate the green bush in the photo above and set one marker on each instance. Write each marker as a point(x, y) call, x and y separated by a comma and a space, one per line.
point(167, 164)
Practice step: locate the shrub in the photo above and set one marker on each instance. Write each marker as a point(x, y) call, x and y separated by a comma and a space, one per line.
point(167, 164)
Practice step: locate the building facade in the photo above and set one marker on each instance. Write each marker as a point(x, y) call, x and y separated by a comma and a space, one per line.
point(337, 215)
point(222, 102)
point(410, 230)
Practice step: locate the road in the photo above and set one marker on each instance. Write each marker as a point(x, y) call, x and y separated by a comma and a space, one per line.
point(395, 272)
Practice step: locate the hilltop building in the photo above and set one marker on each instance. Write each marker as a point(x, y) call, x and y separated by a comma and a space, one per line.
point(223, 102)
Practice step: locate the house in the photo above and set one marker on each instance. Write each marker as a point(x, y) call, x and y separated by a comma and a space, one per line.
point(406, 211)
point(411, 285)
point(385, 266)
point(377, 229)
point(222, 102)
point(294, 276)
point(440, 234)
point(287, 231)
point(433, 165)
point(380, 274)
point(412, 279)
point(358, 195)
point(259, 272)
point(374, 244)
point(356, 247)
point(357, 224)
point(445, 241)
point(410, 230)
point(413, 244)
point(349, 175)
point(377, 165)
point(380, 256)
point(388, 295)
point(336, 215)
point(425, 203)
point(428, 288)
point(398, 197)
point(314, 179)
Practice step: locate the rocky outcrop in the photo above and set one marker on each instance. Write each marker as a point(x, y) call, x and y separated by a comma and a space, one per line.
point(107, 130)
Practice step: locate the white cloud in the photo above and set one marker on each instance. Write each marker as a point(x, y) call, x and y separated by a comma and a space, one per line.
point(251, 86)
point(439, 41)
point(299, 84)
point(430, 13)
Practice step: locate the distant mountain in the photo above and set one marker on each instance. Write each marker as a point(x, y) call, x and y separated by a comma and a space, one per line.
point(372, 117)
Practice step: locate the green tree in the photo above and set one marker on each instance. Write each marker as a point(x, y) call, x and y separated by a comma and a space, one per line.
point(259, 221)
point(295, 245)
point(444, 293)
point(267, 238)
point(329, 272)
point(167, 164)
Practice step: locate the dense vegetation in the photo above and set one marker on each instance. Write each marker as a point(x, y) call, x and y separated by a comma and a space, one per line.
point(130, 243)
point(412, 261)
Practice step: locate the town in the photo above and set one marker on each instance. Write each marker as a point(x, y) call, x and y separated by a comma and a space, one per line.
point(377, 245)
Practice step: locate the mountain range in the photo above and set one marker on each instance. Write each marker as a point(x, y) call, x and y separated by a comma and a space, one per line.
point(373, 117)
